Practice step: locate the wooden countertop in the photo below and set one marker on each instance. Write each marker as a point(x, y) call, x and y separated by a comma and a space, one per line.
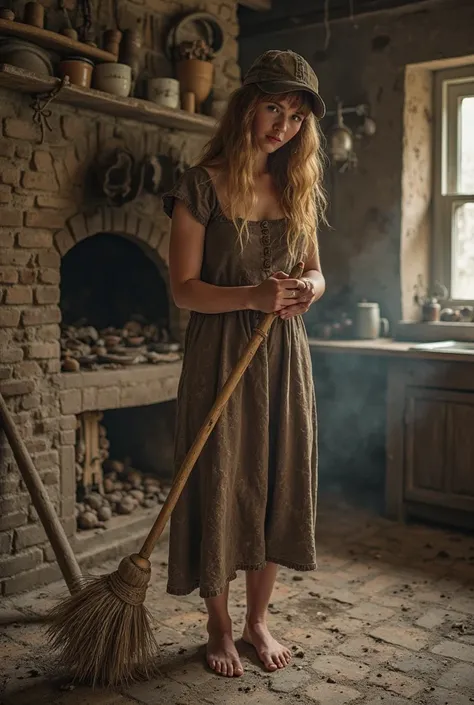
point(385, 347)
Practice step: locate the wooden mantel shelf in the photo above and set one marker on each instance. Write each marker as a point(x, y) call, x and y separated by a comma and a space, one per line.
point(16, 79)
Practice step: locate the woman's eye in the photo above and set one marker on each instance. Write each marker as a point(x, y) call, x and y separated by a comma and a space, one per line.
point(297, 118)
point(272, 107)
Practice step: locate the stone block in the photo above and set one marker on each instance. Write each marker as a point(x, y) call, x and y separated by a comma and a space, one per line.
point(10, 565)
point(41, 351)
point(63, 241)
point(8, 275)
point(459, 677)
point(10, 218)
point(396, 682)
point(39, 181)
point(408, 637)
point(49, 259)
point(455, 649)
point(41, 316)
point(42, 160)
point(13, 519)
point(29, 579)
point(21, 129)
point(71, 401)
point(47, 218)
point(9, 318)
point(108, 398)
point(17, 295)
point(47, 294)
point(27, 536)
point(340, 667)
point(89, 399)
point(17, 387)
point(49, 276)
point(331, 694)
point(6, 540)
point(35, 240)
point(68, 473)
point(370, 612)
point(78, 227)
point(9, 175)
point(27, 276)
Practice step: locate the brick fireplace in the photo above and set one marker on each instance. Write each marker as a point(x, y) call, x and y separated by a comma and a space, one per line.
point(54, 226)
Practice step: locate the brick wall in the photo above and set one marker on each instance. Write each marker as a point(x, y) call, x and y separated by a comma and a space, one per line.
point(46, 207)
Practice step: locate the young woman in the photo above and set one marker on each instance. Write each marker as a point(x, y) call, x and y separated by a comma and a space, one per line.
point(241, 220)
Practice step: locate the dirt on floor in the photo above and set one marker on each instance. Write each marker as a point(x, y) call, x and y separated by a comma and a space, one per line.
point(388, 619)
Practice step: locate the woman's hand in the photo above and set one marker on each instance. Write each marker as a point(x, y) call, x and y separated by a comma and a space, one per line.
point(307, 296)
point(278, 293)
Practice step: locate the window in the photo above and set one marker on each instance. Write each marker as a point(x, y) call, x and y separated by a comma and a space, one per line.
point(453, 256)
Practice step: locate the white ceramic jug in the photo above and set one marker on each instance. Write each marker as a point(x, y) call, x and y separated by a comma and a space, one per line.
point(368, 323)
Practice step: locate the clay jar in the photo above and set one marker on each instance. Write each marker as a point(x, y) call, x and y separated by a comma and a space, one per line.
point(112, 39)
point(113, 78)
point(195, 77)
point(130, 48)
point(164, 92)
point(34, 14)
point(78, 69)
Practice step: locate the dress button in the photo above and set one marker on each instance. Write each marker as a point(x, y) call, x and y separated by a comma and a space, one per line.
point(266, 252)
point(264, 223)
point(266, 264)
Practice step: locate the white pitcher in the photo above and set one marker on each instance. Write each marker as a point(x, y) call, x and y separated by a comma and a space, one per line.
point(368, 323)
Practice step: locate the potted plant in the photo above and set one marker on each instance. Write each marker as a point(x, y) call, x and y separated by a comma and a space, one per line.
point(194, 70)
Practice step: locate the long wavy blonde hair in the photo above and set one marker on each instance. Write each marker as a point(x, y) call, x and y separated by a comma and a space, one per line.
point(296, 168)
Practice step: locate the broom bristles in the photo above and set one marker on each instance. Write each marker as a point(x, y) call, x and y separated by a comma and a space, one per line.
point(101, 638)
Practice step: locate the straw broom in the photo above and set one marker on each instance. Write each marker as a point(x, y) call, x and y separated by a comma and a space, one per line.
point(103, 632)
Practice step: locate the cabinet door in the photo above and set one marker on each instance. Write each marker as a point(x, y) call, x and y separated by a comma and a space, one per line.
point(439, 450)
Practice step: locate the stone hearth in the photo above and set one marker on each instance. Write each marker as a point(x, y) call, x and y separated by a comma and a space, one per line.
point(48, 206)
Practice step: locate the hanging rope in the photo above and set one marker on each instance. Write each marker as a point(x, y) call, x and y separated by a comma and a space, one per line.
point(327, 27)
point(41, 113)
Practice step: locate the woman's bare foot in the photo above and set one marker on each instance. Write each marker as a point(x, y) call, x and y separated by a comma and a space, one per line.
point(272, 654)
point(221, 653)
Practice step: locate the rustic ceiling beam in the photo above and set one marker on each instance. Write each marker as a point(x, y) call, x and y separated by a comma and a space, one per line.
point(339, 10)
point(259, 5)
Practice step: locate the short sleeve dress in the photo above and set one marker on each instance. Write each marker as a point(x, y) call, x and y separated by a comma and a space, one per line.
point(251, 497)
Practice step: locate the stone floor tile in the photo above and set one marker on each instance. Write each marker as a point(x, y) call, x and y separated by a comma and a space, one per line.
point(369, 651)
point(331, 694)
point(310, 638)
point(459, 676)
point(340, 667)
point(454, 649)
point(158, 692)
point(345, 625)
point(408, 637)
point(288, 679)
point(370, 612)
point(396, 682)
point(387, 699)
point(440, 696)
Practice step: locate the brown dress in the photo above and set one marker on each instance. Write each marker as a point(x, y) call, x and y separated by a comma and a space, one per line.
point(251, 497)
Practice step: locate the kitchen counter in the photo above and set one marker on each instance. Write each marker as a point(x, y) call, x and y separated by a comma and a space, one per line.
point(385, 347)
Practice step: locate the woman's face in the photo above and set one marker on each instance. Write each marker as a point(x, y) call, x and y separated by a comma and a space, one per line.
point(277, 120)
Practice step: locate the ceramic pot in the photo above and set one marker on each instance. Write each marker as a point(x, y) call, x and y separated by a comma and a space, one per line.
point(25, 55)
point(78, 69)
point(130, 48)
point(164, 92)
point(112, 39)
point(34, 14)
point(6, 14)
point(115, 79)
point(368, 324)
point(195, 76)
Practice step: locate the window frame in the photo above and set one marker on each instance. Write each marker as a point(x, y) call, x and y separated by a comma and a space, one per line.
point(450, 85)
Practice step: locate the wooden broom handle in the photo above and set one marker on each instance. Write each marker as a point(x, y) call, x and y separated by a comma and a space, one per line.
point(259, 335)
point(41, 502)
